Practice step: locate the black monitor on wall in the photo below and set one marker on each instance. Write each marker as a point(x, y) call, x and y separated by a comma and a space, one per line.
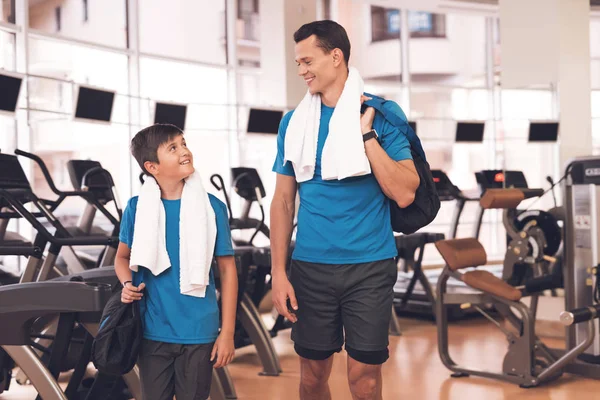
point(264, 121)
point(469, 132)
point(546, 131)
point(170, 113)
point(10, 87)
point(94, 104)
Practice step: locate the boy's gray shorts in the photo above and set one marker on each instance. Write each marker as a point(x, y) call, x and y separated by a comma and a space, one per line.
point(168, 369)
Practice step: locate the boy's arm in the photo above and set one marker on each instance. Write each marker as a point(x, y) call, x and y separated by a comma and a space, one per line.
point(122, 263)
point(229, 292)
point(224, 348)
point(129, 292)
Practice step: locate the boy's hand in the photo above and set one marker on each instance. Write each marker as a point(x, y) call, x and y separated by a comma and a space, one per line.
point(223, 350)
point(130, 293)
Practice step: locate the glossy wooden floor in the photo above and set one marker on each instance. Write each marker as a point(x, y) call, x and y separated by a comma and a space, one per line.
point(414, 370)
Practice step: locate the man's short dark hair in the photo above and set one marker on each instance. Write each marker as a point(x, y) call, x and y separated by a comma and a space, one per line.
point(330, 35)
point(145, 143)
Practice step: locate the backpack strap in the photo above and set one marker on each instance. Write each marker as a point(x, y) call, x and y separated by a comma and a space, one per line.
point(397, 120)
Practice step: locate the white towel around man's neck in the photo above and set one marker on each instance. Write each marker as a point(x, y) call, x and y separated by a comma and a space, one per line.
point(343, 152)
point(197, 235)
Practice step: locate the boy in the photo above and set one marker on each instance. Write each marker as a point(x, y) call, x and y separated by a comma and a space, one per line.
point(181, 332)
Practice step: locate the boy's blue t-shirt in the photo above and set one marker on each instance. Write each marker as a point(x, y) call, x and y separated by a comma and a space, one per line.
point(169, 316)
point(346, 221)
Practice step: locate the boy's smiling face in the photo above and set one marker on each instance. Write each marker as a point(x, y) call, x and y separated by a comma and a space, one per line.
point(175, 160)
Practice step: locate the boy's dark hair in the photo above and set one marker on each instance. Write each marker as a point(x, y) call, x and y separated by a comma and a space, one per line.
point(330, 35)
point(145, 143)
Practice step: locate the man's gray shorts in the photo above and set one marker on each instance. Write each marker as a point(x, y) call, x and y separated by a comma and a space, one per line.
point(168, 369)
point(355, 299)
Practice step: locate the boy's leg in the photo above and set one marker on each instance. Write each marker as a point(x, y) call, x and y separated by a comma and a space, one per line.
point(157, 366)
point(193, 372)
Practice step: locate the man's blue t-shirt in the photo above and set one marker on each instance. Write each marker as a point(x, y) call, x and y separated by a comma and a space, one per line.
point(169, 316)
point(345, 221)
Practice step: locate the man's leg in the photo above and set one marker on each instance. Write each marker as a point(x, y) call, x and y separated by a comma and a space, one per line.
point(365, 380)
point(318, 333)
point(368, 295)
point(314, 377)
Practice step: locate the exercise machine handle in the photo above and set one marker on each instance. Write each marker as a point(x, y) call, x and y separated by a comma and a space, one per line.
point(95, 171)
point(579, 315)
point(219, 184)
point(43, 167)
point(546, 282)
point(529, 193)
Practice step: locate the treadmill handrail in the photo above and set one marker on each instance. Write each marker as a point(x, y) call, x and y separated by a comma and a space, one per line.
point(89, 197)
point(43, 167)
point(93, 171)
point(111, 182)
point(21, 304)
point(38, 297)
point(41, 229)
point(21, 251)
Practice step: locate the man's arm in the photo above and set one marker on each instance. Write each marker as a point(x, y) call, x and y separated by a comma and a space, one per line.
point(282, 220)
point(398, 180)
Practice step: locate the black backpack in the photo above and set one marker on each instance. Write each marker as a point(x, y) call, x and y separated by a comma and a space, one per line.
point(116, 346)
point(426, 205)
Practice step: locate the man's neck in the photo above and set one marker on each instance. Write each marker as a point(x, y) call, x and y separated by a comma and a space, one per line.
point(331, 94)
point(171, 190)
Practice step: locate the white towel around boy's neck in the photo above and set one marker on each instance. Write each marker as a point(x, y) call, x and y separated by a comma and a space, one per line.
point(197, 235)
point(343, 152)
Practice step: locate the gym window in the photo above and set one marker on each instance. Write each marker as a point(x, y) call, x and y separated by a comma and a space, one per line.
point(424, 24)
point(385, 24)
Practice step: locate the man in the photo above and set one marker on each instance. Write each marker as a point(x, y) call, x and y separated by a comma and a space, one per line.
point(343, 269)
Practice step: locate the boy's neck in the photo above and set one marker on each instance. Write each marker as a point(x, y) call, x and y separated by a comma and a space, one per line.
point(171, 190)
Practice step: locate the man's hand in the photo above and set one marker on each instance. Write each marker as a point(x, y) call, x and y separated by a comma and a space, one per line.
point(223, 350)
point(130, 293)
point(366, 120)
point(282, 290)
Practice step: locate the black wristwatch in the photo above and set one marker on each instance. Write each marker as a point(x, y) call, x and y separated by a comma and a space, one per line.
point(370, 135)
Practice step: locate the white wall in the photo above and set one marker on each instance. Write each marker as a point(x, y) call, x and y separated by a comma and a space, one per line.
point(595, 51)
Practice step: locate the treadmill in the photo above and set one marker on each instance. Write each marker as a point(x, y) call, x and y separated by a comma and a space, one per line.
point(95, 185)
point(21, 304)
point(413, 293)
